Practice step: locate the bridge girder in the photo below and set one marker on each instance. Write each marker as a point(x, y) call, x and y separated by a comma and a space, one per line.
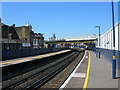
point(68, 42)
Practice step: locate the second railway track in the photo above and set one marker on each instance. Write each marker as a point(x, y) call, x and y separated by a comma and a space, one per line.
point(37, 77)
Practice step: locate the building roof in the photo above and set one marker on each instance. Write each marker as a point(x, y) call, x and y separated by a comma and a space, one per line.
point(28, 24)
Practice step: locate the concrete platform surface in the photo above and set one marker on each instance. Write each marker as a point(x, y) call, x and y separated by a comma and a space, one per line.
point(92, 73)
point(77, 77)
point(101, 73)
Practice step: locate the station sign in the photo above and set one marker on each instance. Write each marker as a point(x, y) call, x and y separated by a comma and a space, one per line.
point(26, 44)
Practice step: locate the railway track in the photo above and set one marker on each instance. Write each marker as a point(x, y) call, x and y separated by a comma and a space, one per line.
point(60, 78)
point(18, 69)
point(53, 73)
point(36, 78)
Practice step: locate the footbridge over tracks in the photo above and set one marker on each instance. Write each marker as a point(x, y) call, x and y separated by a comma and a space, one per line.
point(70, 42)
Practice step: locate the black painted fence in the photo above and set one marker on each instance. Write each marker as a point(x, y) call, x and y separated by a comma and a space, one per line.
point(11, 54)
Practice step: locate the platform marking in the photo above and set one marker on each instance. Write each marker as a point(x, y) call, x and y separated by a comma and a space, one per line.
point(87, 74)
point(86, 57)
point(68, 79)
point(31, 58)
point(82, 75)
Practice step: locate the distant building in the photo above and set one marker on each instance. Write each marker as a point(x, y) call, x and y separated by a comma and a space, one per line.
point(38, 40)
point(19, 37)
point(10, 39)
point(52, 38)
point(25, 33)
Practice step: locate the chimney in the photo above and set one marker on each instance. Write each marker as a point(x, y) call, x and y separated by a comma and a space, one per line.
point(13, 25)
point(0, 21)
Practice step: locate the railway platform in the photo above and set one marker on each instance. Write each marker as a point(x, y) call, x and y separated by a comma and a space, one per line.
point(91, 72)
point(98, 74)
point(101, 73)
point(30, 58)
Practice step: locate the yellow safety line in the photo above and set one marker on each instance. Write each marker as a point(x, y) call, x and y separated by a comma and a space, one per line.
point(35, 57)
point(87, 74)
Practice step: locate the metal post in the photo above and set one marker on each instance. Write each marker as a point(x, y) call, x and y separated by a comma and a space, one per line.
point(99, 41)
point(113, 57)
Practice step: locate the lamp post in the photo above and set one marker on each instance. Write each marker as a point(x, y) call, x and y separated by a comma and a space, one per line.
point(114, 57)
point(99, 40)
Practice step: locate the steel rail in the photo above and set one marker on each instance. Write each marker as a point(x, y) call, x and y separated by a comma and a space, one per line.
point(32, 76)
point(41, 81)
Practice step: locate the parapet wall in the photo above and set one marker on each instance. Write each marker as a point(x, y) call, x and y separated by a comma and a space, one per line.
point(12, 54)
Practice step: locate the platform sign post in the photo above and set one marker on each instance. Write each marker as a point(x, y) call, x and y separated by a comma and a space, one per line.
point(99, 41)
point(113, 57)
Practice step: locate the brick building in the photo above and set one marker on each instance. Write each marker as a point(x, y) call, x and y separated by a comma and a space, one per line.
point(9, 39)
point(20, 37)
point(38, 41)
point(26, 34)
